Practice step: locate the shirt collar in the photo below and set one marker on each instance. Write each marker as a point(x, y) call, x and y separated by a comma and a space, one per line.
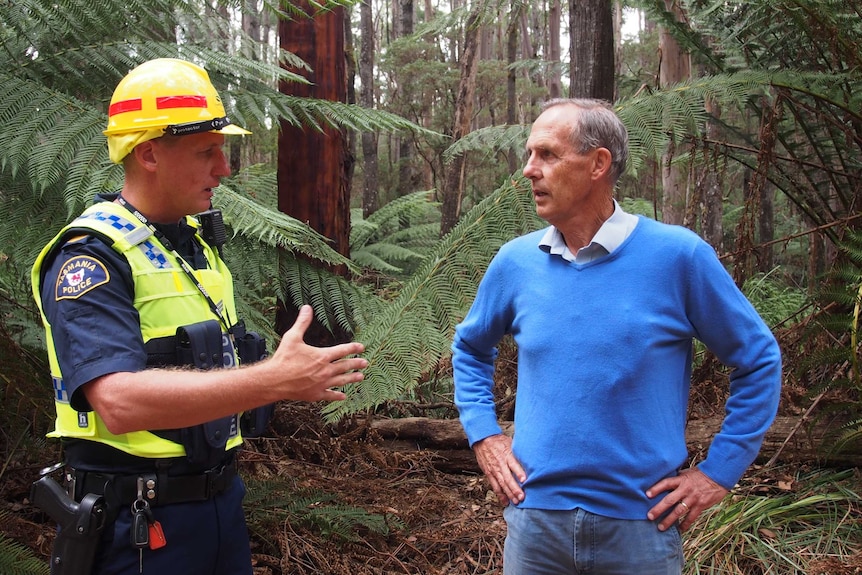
point(609, 237)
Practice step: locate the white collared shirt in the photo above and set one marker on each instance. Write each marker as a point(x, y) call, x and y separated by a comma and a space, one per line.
point(610, 236)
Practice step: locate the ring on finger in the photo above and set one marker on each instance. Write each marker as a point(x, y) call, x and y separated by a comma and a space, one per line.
point(685, 507)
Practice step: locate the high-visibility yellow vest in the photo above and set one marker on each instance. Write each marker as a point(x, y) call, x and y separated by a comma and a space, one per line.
point(165, 298)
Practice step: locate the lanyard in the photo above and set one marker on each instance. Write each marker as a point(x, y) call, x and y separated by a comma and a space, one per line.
point(183, 264)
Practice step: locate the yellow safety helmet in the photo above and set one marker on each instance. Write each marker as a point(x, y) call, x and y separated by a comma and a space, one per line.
point(164, 96)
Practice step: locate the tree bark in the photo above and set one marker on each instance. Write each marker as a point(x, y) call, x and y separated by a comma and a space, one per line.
point(314, 167)
point(370, 199)
point(591, 71)
point(555, 85)
point(766, 228)
point(408, 179)
point(712, 212)
point(454, 186)
point(618, 43)
point(515, 14)
point(674, 67)
point(311, 165)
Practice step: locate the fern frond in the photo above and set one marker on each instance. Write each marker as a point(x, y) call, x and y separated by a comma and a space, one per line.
point(849, 437)
point(404, 211)
point(490, 141)
point(268, 503)
point(410, 335)
point(316, 113)
point(272, 227)
point(398, 233)
point(267, 275)
point(15, 559)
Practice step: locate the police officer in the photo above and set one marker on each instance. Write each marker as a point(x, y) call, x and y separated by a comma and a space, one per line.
point(129, 291)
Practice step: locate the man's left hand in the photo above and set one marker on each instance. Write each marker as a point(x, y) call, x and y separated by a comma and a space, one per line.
point(688, 495)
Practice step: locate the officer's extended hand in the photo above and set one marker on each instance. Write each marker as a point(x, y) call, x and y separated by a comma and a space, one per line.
point(503, 470)
point(308, 373)
point(689, 494)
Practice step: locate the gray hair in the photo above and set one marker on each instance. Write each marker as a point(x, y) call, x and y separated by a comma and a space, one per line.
point(597, 126)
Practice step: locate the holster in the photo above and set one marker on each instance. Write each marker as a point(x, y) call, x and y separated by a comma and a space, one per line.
point(79, 526)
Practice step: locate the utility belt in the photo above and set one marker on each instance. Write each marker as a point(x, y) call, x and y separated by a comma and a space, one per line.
point(159, 488)
point(91, 501)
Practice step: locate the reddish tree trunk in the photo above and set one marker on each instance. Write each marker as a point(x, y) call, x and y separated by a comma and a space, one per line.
point(313, 166)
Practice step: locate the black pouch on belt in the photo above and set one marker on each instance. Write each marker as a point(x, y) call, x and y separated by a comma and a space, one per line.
point(251, 348)
point(200, 344)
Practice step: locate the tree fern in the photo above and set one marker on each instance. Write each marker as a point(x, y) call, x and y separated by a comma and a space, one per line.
point(269, 503)
point(401, 232)
point(834, 366)
point(411, 334)
point(815, 79)
point(16, 559)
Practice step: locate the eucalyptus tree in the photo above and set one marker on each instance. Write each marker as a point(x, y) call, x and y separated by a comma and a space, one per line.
point(370, 184)
point(591, 69)
point(674, 68)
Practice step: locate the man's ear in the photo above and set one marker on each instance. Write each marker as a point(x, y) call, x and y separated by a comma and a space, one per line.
point(601, 163)
point(145, 156)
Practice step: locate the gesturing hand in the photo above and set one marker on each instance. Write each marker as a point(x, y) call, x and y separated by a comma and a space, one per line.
point(308, 373)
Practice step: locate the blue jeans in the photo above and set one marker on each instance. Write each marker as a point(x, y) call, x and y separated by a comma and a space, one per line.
point(577, 542)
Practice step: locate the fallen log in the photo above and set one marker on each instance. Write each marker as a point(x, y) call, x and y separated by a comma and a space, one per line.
point(789, 440)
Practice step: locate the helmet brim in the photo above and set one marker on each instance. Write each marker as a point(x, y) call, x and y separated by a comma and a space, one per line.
point(232, 130)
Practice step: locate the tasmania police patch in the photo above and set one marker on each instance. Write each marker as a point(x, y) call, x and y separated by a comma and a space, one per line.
point(79, 275)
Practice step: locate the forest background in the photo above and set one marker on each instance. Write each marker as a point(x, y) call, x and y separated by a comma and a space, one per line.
point(382, 175)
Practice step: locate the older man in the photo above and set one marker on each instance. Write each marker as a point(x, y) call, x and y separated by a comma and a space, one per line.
point(604, 307)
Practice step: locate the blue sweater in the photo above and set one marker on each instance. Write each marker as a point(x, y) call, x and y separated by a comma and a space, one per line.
point(604, 366)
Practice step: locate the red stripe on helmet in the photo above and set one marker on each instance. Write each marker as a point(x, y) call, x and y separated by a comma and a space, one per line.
point(181, 102)
point(122, 106)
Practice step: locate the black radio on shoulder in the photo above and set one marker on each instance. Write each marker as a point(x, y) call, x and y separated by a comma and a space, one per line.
point(212, 228)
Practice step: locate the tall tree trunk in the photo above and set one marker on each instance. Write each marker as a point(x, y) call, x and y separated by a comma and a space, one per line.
point(752, 217)
point(766, 228)
point(515, 14)
point(712, 225)
point(408, 179)
point(313, 167)
point(396, 19)
point(530, 51)
point(555, 86)
point(370, 199)
point(675, 67)
point(591, 71)
point(454, 186)
point(252, 24)
point(618, 44)
point(350, 73)
point(816, 258)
